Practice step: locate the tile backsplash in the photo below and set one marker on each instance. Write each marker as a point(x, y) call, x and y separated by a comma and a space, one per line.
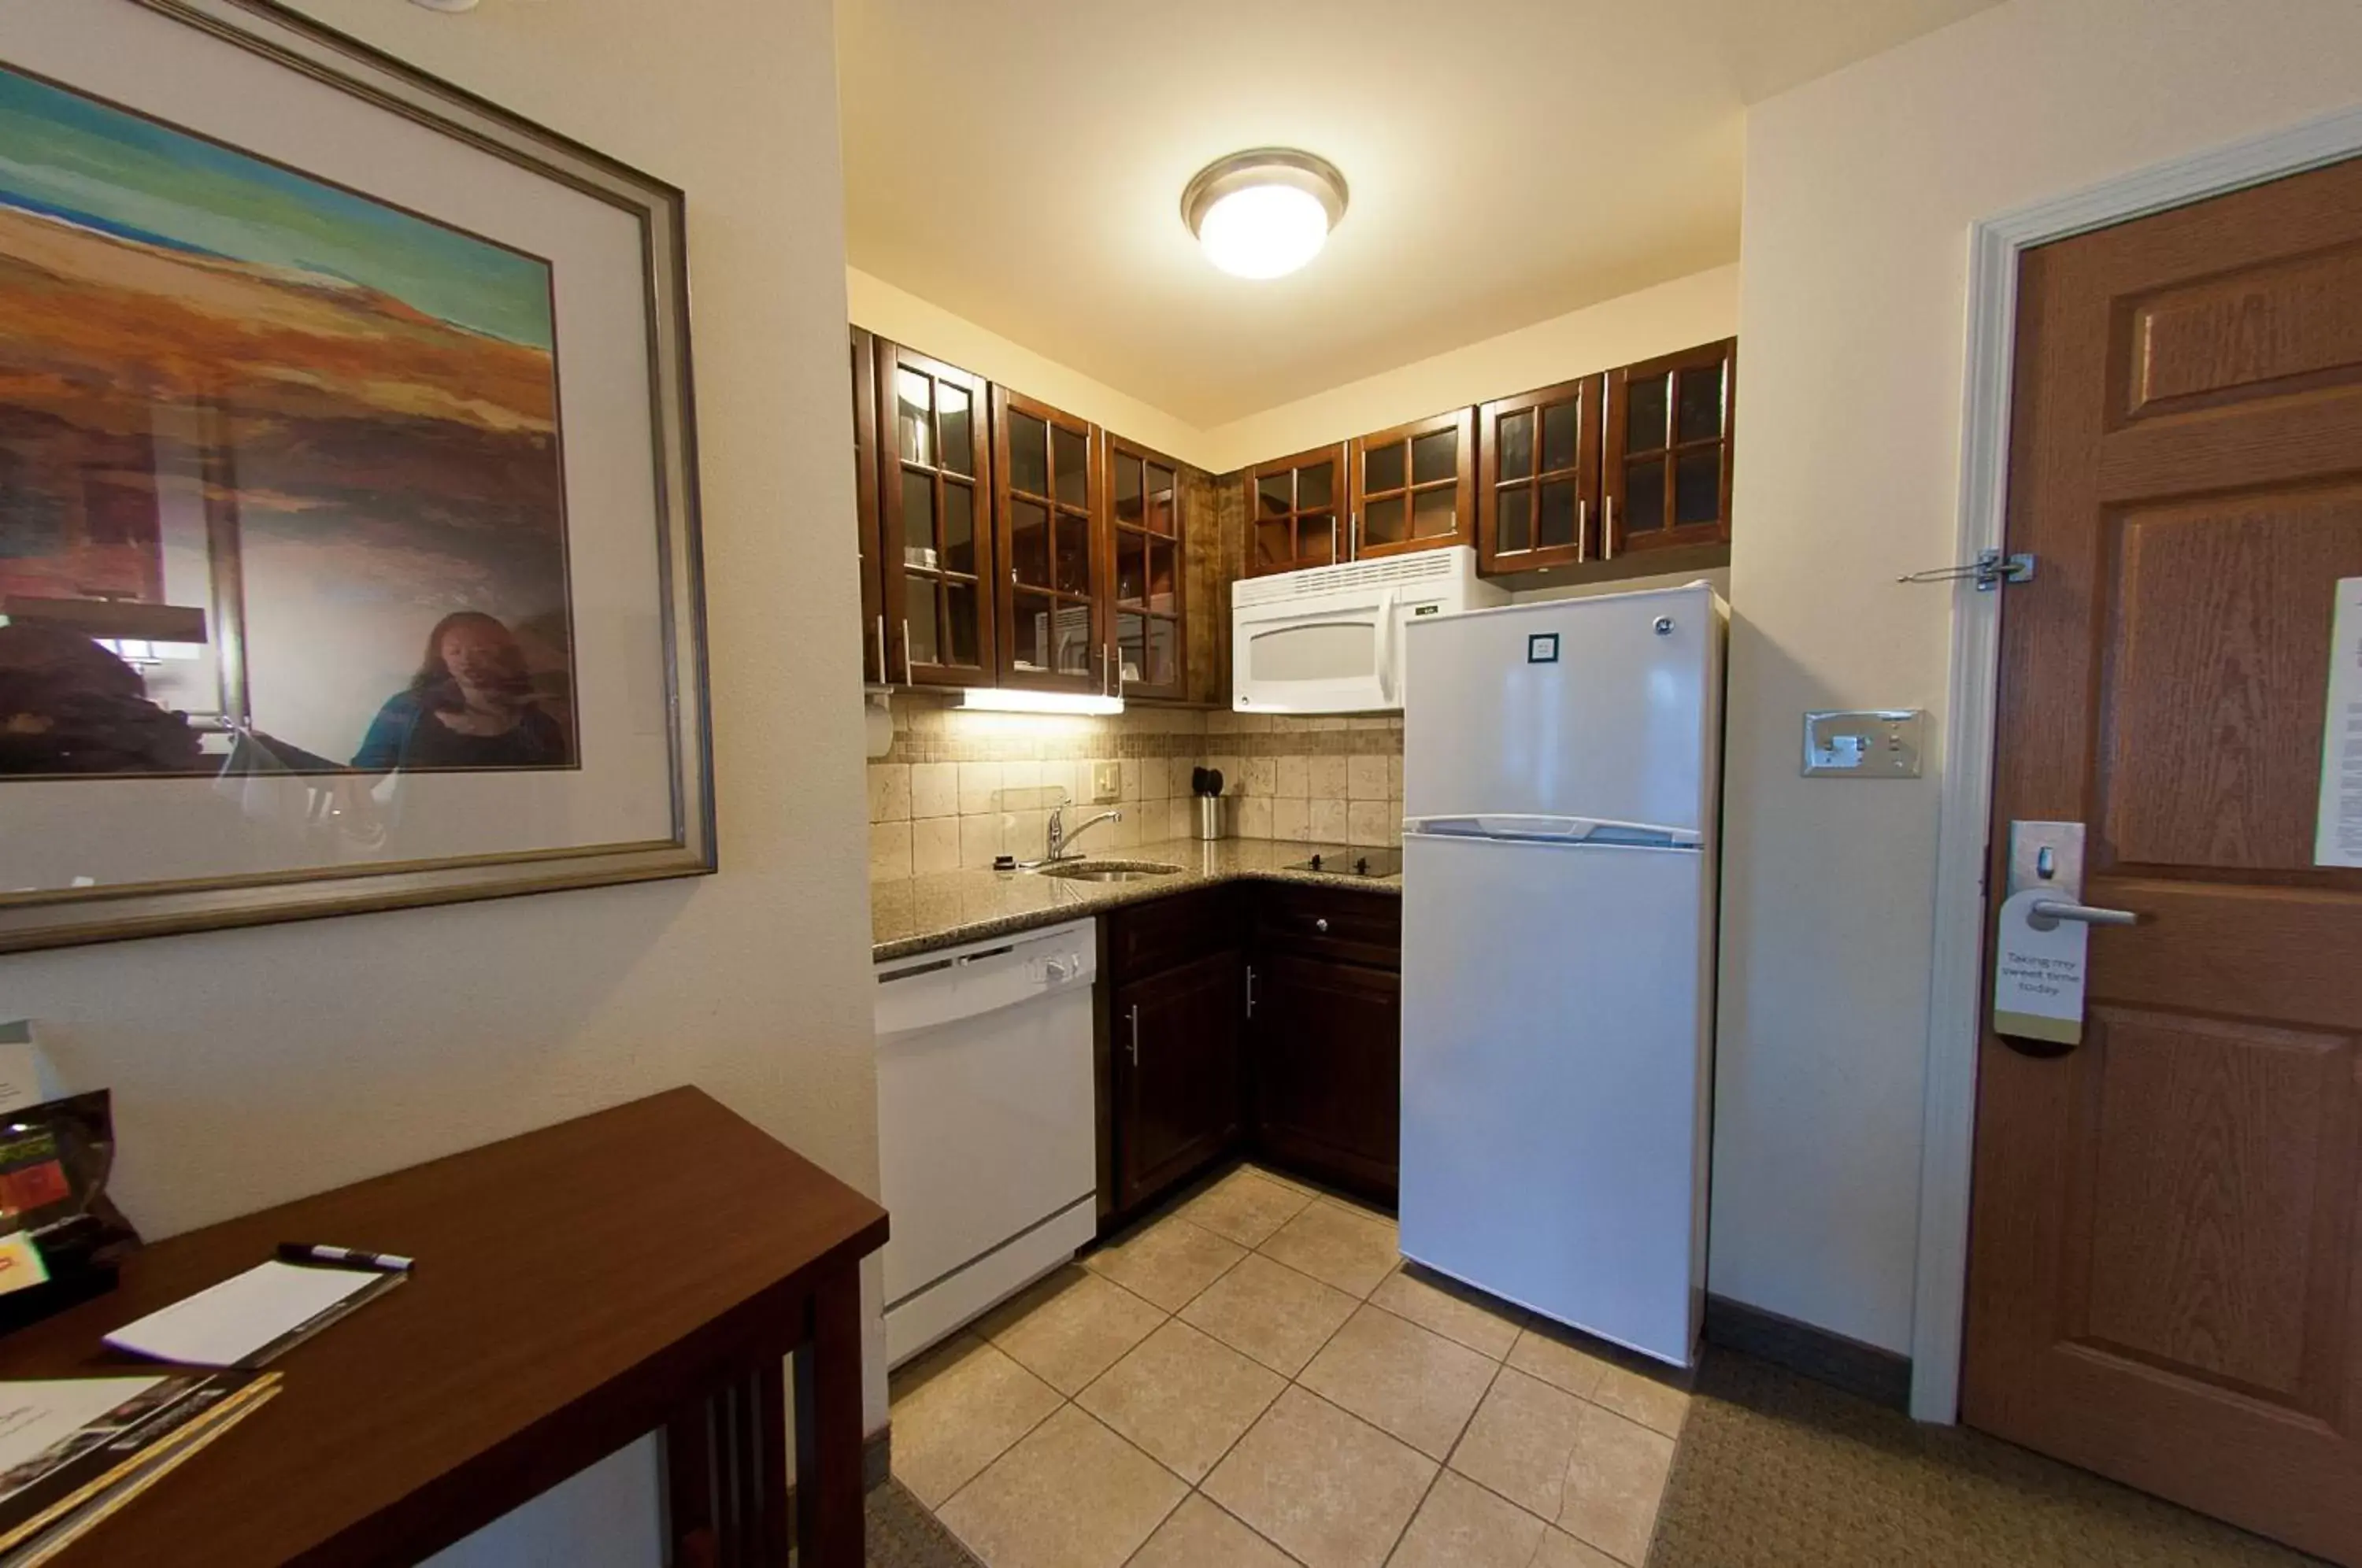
point(1327, 780)
point(958, 788)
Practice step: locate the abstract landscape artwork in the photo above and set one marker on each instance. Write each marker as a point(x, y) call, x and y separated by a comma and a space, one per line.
point(328, 423)
point(349, 516)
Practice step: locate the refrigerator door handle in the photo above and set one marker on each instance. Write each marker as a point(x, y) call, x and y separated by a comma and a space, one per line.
point(1551, 830)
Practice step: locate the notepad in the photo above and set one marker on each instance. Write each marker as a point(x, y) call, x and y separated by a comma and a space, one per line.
point(236, 1322)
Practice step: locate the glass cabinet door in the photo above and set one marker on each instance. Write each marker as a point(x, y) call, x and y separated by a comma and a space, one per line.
point(865, 509)
point(1293, 505)
point(1046, 509)
point(936, 559)
point(1667, 478)
point(1148, 534)
point(1538, 478)
point(1415, 486)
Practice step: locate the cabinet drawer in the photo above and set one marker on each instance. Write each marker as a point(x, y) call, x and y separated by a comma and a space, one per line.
point(1158, 934)
point(1362, 928)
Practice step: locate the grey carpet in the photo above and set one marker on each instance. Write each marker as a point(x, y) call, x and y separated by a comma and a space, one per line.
point(1775, 1470)
point(902, 1534)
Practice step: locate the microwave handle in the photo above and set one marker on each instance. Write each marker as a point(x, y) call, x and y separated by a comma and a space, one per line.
point(1387, 634)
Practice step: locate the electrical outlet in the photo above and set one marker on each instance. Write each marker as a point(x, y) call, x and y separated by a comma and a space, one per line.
point(1107, 782)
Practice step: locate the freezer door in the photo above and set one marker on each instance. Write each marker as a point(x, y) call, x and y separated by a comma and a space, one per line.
point(1554, 1041)
point(1577, 707)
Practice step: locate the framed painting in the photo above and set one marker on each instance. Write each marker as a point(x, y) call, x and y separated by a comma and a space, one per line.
point(349, 535)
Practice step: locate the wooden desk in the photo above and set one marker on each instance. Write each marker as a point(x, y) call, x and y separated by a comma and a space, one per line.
point(649, 1267)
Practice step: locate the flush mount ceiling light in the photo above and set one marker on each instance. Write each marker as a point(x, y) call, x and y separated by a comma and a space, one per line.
point(446, 5)
point(1265, 212)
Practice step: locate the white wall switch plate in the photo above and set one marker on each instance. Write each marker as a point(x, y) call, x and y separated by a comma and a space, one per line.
point(1864, 743)
point(1107, 782)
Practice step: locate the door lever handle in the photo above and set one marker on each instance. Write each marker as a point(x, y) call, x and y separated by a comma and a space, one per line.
point(2045, 914)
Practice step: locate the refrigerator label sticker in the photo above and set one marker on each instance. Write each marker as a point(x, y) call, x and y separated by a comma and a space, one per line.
point(1541, 647)
point(2038, 975)
point(2337, 828)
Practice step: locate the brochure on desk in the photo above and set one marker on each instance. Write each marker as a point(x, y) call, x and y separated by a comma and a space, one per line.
point(64, 1441)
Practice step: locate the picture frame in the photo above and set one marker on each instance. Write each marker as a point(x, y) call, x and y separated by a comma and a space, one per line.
point(395, 366)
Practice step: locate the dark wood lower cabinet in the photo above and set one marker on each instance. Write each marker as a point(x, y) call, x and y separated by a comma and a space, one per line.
point(1326, 1044)
point(1176, 1072)
point(1300, 1064)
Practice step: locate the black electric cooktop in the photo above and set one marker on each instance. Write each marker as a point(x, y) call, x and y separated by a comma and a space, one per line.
point(1353, 862)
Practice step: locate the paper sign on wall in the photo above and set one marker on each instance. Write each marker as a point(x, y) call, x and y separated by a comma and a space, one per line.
point(2337, 830)
point(2038, 975)
point(25, 1075)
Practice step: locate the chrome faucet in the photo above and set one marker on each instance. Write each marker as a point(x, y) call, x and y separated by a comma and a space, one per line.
point(1060, 836)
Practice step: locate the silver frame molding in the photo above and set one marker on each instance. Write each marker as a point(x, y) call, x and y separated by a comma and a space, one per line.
point(1306, 172)
point(60, 918)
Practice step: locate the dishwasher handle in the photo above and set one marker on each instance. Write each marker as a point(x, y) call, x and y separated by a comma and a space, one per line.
point(945, 987)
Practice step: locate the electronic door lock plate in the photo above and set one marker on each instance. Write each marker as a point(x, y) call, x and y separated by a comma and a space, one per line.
point(1868, 743)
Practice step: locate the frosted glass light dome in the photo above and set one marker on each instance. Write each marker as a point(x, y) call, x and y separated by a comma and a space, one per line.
point(1264, 231)
point(1263, 214)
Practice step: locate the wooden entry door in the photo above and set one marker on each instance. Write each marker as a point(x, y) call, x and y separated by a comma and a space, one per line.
point(2166, 1270)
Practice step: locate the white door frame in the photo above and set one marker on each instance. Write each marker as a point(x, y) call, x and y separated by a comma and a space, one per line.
point(1955, 1010)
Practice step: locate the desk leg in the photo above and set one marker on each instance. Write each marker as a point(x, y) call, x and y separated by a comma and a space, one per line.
point(828, 1427)
point(726, 1476)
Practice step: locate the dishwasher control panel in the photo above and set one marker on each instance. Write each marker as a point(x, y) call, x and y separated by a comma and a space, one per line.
point(922, 990)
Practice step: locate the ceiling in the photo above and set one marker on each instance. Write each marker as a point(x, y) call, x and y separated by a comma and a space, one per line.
point(1020, 163)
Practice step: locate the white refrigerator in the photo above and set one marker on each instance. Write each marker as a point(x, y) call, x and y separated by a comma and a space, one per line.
point(1561, 766)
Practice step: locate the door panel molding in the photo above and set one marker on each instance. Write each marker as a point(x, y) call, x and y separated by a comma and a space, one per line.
point(1955, 1013)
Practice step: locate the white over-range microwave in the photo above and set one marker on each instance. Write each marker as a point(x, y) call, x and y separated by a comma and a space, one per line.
point(1328, 639)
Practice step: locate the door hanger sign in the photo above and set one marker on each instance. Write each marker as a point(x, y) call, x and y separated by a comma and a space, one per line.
point(2038, 975)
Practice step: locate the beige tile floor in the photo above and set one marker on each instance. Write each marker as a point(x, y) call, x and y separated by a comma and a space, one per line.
point(1255, 1379)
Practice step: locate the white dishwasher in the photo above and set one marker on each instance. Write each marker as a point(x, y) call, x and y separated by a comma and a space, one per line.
point(986, 1123)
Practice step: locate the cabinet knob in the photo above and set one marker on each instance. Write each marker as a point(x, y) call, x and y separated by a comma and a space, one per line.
point(1320, 926)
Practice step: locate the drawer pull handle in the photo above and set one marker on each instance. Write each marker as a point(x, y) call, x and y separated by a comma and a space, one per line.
point(1321, 925)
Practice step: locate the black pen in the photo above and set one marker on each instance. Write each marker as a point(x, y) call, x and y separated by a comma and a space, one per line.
point(342, 1257)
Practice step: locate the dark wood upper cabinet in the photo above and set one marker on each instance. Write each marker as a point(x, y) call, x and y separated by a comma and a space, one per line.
point(1293, 507)
point(1148, 550)
point(1538, 478)
point(1047, 523)
point(936, 554)
point(1415, 486)
point(1004, 542)
point(865, 509)
point(1666, 479)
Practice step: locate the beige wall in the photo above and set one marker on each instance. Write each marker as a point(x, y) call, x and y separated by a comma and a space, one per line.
point(1860, 189)
point(914, 322)
point(1699, 308)
point(250, 1068)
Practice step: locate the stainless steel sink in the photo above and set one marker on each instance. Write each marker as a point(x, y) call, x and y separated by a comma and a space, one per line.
point(1107, 871)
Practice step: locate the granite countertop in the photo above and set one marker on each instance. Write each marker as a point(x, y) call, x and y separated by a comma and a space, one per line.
point(915, 914)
